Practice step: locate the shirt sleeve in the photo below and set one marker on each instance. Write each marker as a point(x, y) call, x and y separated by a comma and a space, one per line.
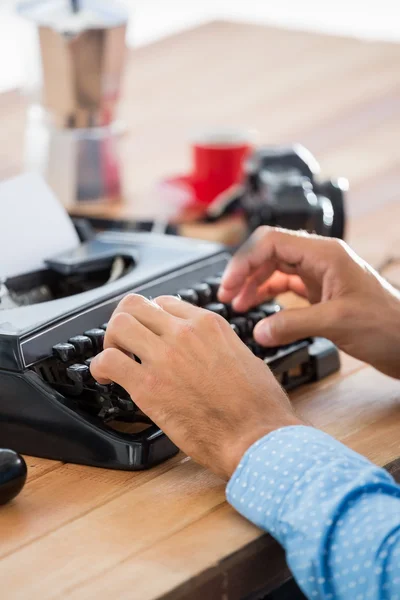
point(336, 514)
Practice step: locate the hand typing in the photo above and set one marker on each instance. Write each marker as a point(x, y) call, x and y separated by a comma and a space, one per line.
point(197, 380)
point(350, 303)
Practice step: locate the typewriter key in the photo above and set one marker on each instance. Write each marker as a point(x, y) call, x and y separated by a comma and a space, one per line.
point(269, 308)
point(256, 349)
point(188, 295)
point(235, 328)
point(104, 390)
point(83, 345)
point(204, 293)
point(125, 404)
point(97, 337)
point(79, 373)
point(254, 317)
point(64, 351)
point(218, 308)
point(242, 324)
point(214, 283)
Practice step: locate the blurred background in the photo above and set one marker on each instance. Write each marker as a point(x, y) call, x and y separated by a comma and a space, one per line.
point(324, 74)
point(155, 19)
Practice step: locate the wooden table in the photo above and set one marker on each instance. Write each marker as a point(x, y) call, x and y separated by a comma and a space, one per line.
point(83, 533)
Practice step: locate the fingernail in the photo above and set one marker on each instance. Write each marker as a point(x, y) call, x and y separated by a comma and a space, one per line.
point(94, 361)
point(226, 272)
point(262, 333)
point(236, 304)
point(221, 290)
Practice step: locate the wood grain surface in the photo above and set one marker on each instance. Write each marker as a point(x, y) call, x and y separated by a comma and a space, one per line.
point(83, 533)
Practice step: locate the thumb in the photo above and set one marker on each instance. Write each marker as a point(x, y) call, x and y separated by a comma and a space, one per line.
point(290, 325)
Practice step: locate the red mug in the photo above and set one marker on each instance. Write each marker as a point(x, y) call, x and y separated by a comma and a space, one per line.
point(218, 160)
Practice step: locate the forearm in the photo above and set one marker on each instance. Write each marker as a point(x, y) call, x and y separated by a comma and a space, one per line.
point(336, 514)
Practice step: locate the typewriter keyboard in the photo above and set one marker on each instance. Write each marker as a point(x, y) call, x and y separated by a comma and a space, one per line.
point(68, 371)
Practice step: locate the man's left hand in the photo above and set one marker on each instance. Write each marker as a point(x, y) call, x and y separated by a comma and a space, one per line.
point(197, 380)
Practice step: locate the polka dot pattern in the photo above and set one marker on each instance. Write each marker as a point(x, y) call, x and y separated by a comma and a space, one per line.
point(336, 514)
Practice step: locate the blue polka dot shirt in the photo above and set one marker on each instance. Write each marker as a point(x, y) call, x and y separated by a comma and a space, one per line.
point(336, 514)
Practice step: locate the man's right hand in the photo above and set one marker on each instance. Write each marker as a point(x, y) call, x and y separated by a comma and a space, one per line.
point(350, 303)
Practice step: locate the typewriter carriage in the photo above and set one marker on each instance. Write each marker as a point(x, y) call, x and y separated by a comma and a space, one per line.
point(96, 266)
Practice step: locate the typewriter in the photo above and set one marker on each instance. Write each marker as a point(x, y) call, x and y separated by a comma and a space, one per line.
point(55, 322)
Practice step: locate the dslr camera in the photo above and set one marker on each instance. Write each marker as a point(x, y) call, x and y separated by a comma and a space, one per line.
point(281, 189)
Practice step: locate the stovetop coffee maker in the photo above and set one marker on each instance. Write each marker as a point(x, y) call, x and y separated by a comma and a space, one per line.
point(72, 135)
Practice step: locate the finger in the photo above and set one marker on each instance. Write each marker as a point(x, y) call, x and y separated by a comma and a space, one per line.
point(126, 333)
point(147, 312)
point(278, 283)
point(268, 248)
point(281, 284)
point(176, 307)
point(242, 266)
point(290, 325)
point(113, 365)
point(260, 276)
point(249, 289)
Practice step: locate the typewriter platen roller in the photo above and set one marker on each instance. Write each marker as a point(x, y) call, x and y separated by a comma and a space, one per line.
point(49, 404)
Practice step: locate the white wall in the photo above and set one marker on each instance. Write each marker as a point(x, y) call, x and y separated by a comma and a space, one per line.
point(366, 18)
point(154, 19)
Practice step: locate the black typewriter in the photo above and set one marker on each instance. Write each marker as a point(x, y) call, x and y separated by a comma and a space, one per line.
point(53, 321)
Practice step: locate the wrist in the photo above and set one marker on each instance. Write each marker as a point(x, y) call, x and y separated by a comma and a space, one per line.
point(234, 451)
point(387, 347)
point(394, 353)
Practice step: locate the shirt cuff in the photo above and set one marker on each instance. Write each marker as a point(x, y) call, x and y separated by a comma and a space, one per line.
point(280, 470)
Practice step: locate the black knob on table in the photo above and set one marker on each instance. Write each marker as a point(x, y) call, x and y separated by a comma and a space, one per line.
point(214, 283)
point(13, 473)
point(79, 373)
point(269, 308)
point(204, 293)
point(64, 351)
point(242, 324)
point(218, 308)
point(104, 326)
point(97, 337)
point(82, 343)
point(188, 295)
